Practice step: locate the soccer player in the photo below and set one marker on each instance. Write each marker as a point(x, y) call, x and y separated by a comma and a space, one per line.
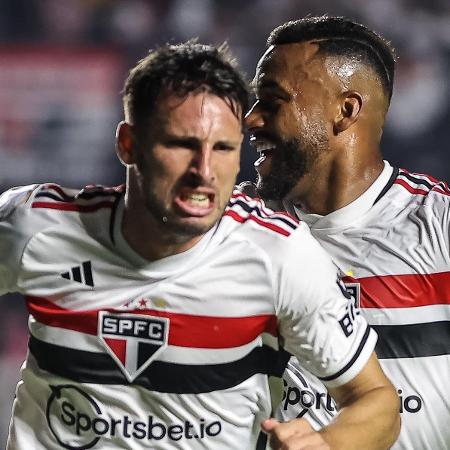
point(158, 309)
point(323, 89)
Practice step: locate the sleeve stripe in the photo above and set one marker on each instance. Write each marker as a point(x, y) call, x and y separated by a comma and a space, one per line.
point(351, 362)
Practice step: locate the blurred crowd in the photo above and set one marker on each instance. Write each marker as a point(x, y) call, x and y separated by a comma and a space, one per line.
point(62, 64)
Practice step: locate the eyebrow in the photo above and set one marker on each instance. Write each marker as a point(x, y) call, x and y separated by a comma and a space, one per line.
point(193, 141)
point(272, 85)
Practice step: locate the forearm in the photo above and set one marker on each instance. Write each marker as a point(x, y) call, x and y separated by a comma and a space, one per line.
point(370, 422)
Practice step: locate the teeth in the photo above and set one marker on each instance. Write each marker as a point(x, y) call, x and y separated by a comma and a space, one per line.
point(262, 146)
point(198, 199)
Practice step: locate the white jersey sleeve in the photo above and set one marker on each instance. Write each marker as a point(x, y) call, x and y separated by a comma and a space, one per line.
point(12, 236)
point(317, 317)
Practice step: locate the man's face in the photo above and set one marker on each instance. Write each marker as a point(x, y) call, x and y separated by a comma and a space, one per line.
point(188, 162)
point(287, 123)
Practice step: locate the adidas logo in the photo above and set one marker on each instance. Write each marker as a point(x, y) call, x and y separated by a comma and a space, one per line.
point(82, 274)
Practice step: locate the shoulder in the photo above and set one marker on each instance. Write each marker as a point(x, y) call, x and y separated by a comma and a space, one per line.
point(89, 199)
point(422, 187)
point(428, 196)
point(281, 237)
point(254, 215)
point(14, 198)
point(51, 196)
point(28, 210)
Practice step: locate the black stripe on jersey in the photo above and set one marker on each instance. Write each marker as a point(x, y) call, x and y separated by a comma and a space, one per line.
point(249, 209)
point(261, 443)
point(108, 192)
point(99, 368)
point(416, 180)
point(350, 363)
point(389, 184)
point(53, 196)
point(413, 340)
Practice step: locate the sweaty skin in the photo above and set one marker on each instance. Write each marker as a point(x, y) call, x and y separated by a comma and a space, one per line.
point(317, 130)
point(334, 122)
point(180, 176)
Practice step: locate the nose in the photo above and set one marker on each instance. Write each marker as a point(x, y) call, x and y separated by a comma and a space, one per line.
point(254, 118)
point(202, 164)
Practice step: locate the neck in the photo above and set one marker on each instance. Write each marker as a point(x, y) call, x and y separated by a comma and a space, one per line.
point(335, 183)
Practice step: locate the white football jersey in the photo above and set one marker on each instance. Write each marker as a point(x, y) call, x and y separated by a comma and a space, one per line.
point(170, 354)
point(393, 242)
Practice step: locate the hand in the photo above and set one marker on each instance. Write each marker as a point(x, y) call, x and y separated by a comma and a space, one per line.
point(296, 434)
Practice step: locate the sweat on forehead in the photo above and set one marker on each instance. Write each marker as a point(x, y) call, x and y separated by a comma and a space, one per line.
point(286, 60)
point(287, 53)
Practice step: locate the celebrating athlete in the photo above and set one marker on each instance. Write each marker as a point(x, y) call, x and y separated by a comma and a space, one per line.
point(323, 89)
point(158, 309)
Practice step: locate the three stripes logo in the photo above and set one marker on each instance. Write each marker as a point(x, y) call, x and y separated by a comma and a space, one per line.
point(81, 274)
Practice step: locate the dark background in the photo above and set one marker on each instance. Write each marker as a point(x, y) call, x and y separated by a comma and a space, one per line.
point(62, 64)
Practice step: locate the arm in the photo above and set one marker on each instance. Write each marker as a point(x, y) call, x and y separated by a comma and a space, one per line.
point(369, 417)
point(12, 237)
point(322, 328)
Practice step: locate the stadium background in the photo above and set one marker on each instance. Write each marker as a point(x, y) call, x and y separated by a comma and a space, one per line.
point(62, 63)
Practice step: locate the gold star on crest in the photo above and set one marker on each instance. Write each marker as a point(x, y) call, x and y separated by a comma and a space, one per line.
point(159, 302)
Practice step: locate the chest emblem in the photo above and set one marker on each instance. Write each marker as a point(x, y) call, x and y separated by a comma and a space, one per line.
point(354, 289)
point(132, 340)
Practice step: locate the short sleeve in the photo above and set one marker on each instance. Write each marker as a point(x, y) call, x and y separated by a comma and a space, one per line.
point(12, 238)
point(318, 320)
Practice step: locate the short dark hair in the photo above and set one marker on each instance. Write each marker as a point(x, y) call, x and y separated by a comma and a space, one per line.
point(179, 70)
point(342, 37)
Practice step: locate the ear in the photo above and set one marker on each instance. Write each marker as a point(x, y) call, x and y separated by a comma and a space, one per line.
point(349, 108)
point(125, 143)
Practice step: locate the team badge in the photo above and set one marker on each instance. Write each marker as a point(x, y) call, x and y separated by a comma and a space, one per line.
point(354, 289)
point(132, 340)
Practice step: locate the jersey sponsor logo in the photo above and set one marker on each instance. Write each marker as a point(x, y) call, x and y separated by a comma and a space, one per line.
point(306, 399)
point(133, 340)
point(78, 422)
point(409, 403)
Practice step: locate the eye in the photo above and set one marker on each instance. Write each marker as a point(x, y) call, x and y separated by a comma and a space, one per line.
point(270, 105)
point(224, 147)
point(191, 144)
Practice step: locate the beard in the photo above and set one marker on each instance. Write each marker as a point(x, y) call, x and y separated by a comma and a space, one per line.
point(167, 220)
point(291, 161)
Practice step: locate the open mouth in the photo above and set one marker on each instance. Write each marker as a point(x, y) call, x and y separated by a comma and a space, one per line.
point(198, 203)
point(264, 147)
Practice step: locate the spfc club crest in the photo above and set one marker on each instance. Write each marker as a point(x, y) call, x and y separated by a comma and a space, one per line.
point(354, 289)
point(133, 340)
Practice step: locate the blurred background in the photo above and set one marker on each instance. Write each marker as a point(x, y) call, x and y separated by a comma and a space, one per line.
point(63, 62)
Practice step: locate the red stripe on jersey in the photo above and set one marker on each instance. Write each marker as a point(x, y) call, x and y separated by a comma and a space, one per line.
point(409, 188)
point(185, 330)
point(264, 209)
point(404, 291)
point(429, 178)
point(234, 215)
point(72, 206)
point(414, 190)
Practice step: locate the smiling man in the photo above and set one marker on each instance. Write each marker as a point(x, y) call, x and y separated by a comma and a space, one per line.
point(158, 310)
point(323, 90)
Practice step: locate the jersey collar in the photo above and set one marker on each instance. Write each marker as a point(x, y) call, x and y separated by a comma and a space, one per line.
point(348, 214)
